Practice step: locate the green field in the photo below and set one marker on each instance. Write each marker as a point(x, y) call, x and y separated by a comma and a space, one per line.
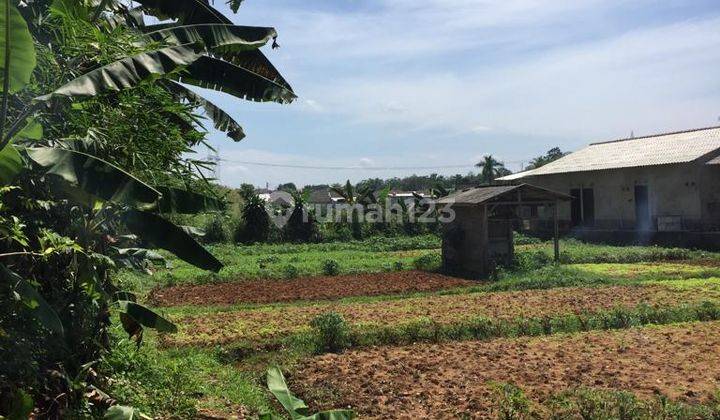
point(227, 348)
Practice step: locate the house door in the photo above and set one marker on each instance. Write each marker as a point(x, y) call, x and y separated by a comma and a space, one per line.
point(582, 207)
point(575, 207)
point(642, 208)
point(588, 203)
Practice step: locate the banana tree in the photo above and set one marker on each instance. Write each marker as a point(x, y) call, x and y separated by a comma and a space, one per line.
point(353, 197)
point(221, 57)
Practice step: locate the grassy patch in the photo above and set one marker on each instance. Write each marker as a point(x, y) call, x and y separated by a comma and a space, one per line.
point(651, 271)
point(273, 260)
point(179, 383)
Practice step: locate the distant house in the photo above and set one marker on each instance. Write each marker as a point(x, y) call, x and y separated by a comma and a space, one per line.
point(325, 197)
point(263, 193)
point(658, 185)
point(408, 197)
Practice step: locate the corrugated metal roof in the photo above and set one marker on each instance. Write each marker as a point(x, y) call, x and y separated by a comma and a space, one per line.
point(481, 195)
point(715, 161)
point(661, 149)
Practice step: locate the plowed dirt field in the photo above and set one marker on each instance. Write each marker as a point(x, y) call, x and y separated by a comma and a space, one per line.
point(447, 380)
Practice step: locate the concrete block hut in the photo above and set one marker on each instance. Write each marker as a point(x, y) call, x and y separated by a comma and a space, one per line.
point(481, 235)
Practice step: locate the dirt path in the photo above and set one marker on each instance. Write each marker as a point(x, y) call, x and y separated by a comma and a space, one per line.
point(446, 380)
point(265, 322)
point(306, 288)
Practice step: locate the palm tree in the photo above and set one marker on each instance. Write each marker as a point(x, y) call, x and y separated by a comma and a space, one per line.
point(491, 169)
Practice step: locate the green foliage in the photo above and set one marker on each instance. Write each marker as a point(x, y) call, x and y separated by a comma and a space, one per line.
point(295, 407)
point(268, 260)
point(331, 332)
point(256, 222)
point(166, 235)
point(215, 229)
point(121, 412)
point(589, 403)
point(17, 52)
point(427, 262)
point(482, 328)
point(290, 271)
point(510, 402)
point(114, 133)
point(331, 267)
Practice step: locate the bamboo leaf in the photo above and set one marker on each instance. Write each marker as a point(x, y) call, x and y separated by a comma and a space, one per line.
point(168, 236)
point(126, 73)
point(94, 176)
point(212, 73)
point(17, 51)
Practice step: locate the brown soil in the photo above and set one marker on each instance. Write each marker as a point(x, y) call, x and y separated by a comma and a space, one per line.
point(265, 322)
point(447, 380)
point(306, 288)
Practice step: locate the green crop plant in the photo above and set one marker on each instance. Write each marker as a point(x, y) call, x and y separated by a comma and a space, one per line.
point(295, 407)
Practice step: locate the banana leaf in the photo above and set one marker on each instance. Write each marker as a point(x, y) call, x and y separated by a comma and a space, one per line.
point(138, 258)
point(145, 317)
point(212, 73)
point(41, 310)
point(94, 176)
point(278, 387)
point(215, 37)
point(256, 62)
point(189, 12)
point(296, 408)
point(176, 200)
point(127, 73)
point(222, 121)
point(168, 236)
point(11, 164)
point(185, 11)
point(234, 4)
point(122, 412)
point(17, 50)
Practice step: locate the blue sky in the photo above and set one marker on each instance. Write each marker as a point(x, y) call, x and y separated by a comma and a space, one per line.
point(387, 83)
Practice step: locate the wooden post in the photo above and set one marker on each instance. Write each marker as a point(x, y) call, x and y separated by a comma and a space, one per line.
point(556, 232)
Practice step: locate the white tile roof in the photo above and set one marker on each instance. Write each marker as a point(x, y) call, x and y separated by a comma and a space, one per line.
point(661, 149)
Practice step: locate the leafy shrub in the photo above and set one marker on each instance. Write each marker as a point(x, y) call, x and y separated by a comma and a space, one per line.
point(398, 266)
point(256, 222)
point(427, 262)
point(331, 332)
point(265, 261)
point(531, 260)
point(520, 239)
point(290, 271)
point(331, 267)
point(216, 230)
point(511, 402)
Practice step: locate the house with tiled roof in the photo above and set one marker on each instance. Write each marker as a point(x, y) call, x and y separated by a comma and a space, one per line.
point(660, 183)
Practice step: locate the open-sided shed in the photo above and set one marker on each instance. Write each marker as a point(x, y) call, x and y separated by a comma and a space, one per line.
point(481, 234)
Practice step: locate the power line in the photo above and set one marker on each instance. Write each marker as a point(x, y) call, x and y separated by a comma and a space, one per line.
point(368, 168)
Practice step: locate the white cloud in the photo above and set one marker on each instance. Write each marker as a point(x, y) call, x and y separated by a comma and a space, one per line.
point(643, 75)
